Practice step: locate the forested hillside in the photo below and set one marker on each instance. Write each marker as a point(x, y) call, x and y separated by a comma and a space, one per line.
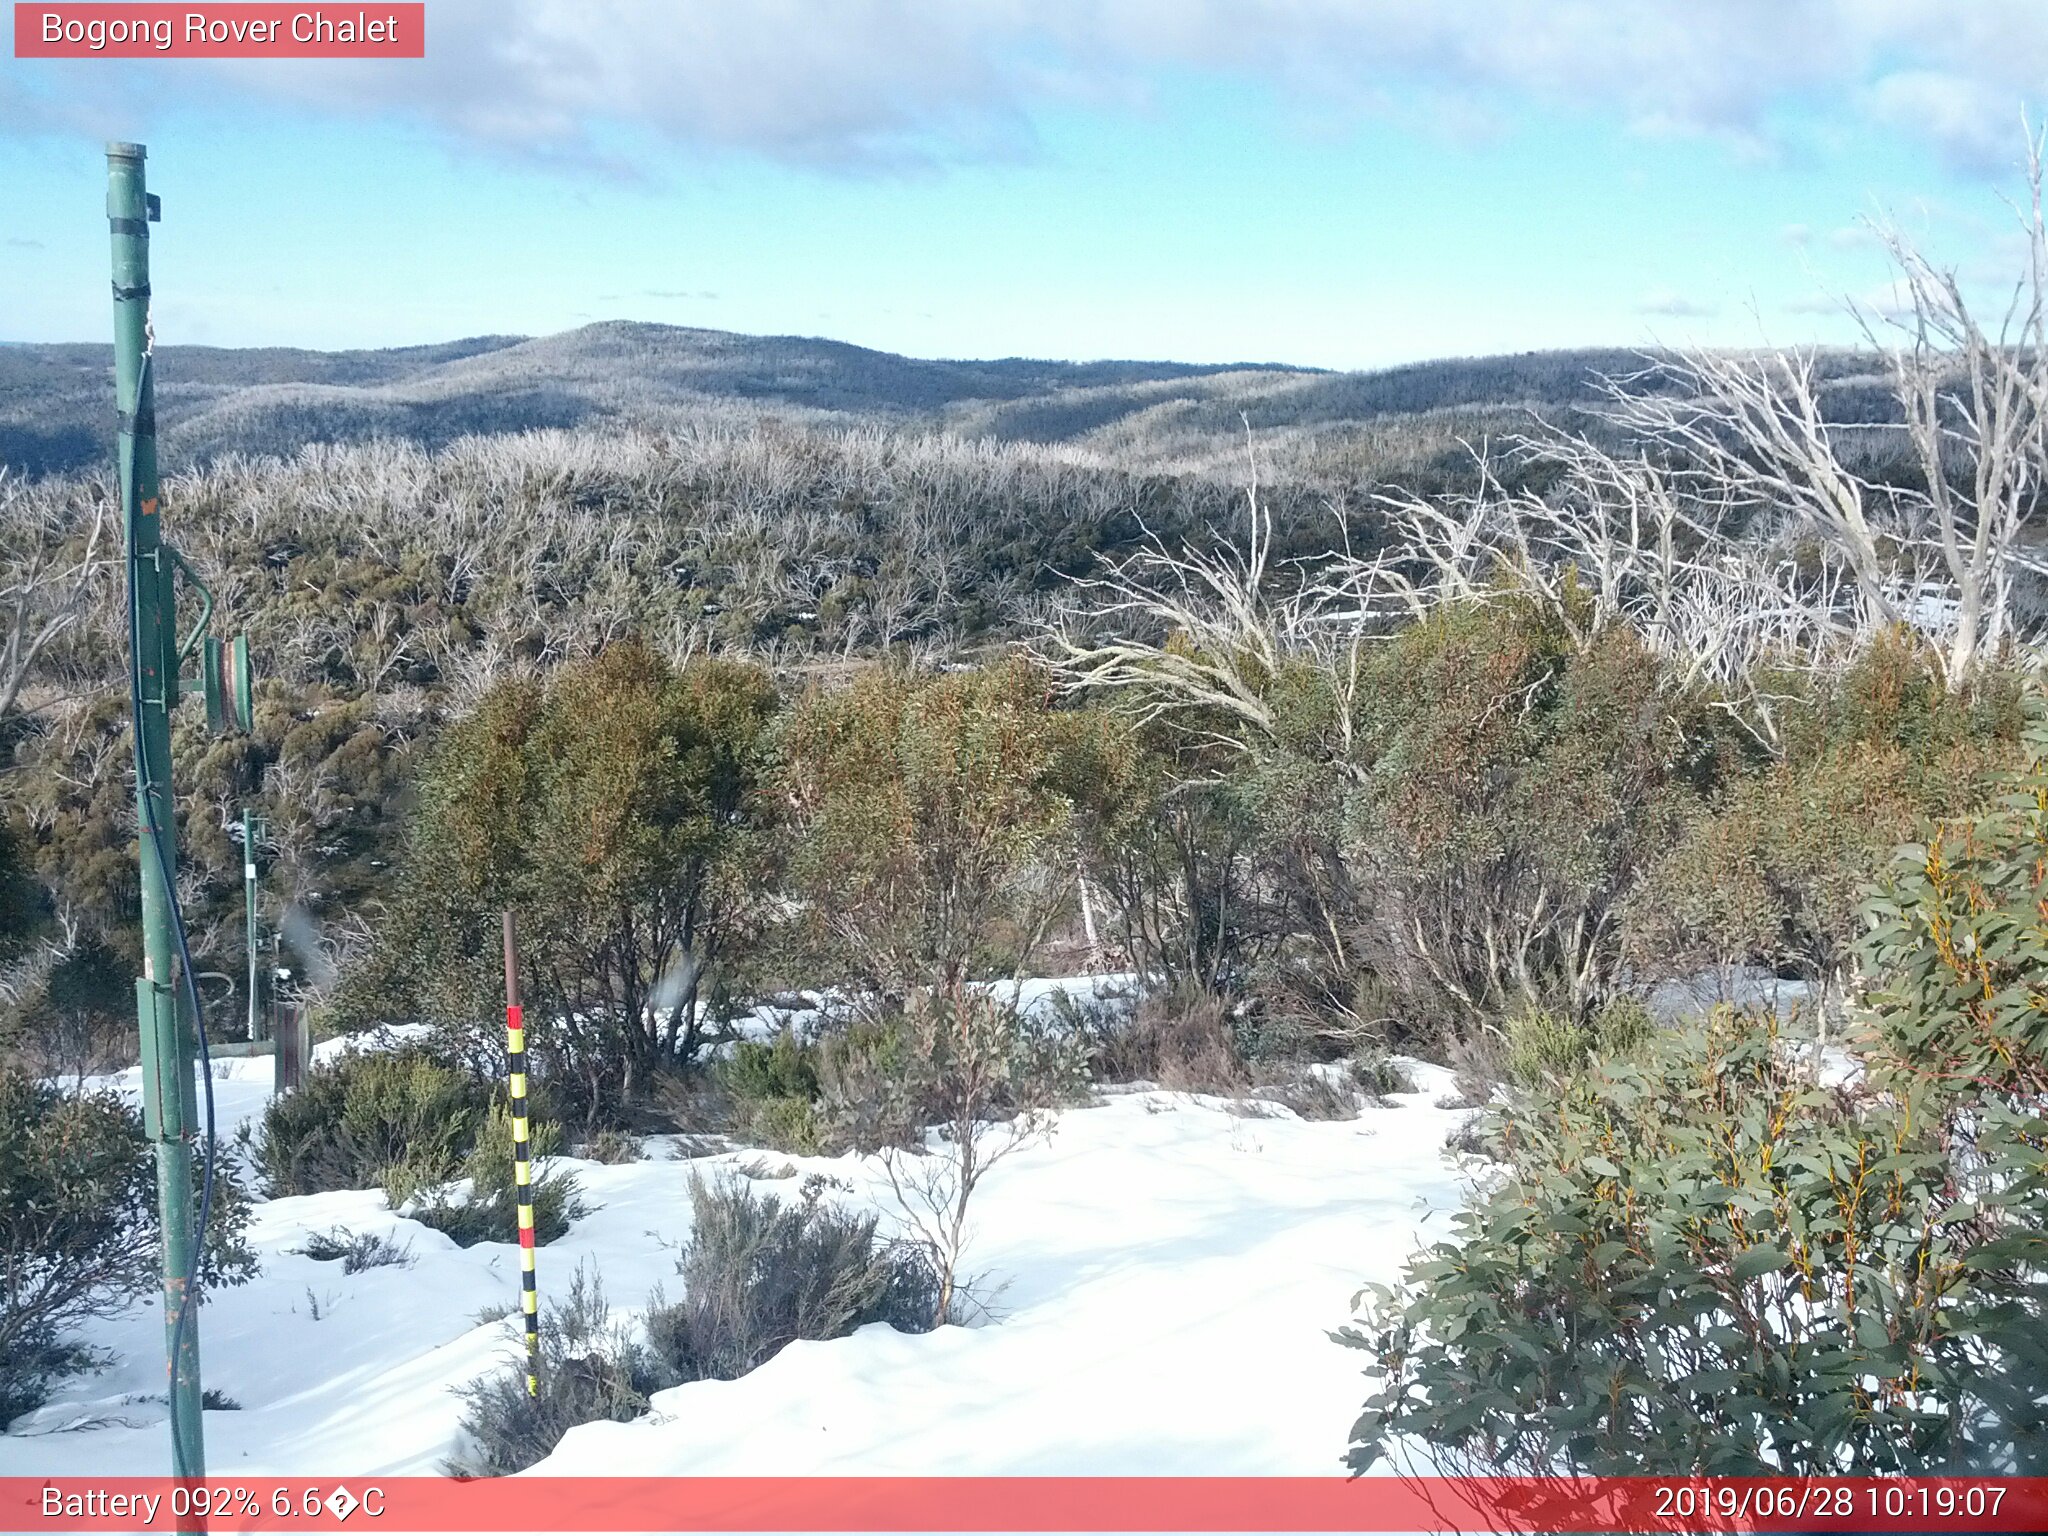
point(54, 410)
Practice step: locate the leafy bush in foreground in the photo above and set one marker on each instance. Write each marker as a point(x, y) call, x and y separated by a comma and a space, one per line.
point(1960, 946)
point(357, 1117)
point(759, 1273)
point(79, 1237)
point(590, 1369)
point(1701, 1262)
point(489, 1213)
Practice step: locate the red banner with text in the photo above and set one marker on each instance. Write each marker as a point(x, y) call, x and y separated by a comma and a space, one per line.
point(1253, 1504)
point(258, 31)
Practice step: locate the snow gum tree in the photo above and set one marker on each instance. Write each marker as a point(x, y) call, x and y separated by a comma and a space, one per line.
point(932, 822)
point(617, 810)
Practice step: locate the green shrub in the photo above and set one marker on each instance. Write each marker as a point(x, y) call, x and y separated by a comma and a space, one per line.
point(782, 1068)
point(79, 1235)
point(1699, 1262)
point(758, 1274)
point(1508, 787)
point(1541, 1044)
point(785, 1125)
point(871, 1085)
point(1959, 947)
point(590, 1369)
point(615, 805)
point(772, 1087)
point(924, 810)
point(874, 1080)
point(1774, 869)
point(357, 1117)
point(489, 1211)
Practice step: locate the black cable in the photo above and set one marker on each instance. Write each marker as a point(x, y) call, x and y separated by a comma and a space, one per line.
point(190, 1296)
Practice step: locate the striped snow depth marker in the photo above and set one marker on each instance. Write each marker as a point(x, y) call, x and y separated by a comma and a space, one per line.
point(522, 1158)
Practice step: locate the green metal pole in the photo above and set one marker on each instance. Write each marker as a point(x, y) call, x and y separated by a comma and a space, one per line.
point(249, 826)
point(169, 1105)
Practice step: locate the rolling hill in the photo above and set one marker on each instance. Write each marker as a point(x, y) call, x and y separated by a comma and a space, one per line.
point(56, 400)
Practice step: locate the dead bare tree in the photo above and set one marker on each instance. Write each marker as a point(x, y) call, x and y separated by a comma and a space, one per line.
point(1938, 557)
point(1976, 417)
point(990, 1110)
point(49, 569)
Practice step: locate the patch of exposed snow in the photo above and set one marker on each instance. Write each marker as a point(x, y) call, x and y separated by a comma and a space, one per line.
point(1163, 1274)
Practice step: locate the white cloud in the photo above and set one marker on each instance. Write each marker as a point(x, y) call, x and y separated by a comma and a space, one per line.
point(866, 84)
point(1671, 305)
point(1887, 300)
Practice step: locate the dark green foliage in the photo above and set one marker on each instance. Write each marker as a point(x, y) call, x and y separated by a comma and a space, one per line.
point(773, 1088)
point(782, 1068)
point(861, 1086)
point(1169, 832)
point(73, 1014)
point(79, 1237)
point(759, 1273)
point(364, 1113)
point(1541, 1045)
point(1701, 1262)
point(488, 1212)
point(926, 811)
point(1959, 947)
point(874, 1088)
point(591, 1369)
point(1515, 784)
point(1773, 868)
point(20, 897)
point(616, 811)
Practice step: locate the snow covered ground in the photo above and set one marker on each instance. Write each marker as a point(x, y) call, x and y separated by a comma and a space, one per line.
point(1169, 1270)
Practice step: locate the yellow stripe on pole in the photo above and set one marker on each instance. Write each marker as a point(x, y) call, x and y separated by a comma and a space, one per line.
point(522, 1168)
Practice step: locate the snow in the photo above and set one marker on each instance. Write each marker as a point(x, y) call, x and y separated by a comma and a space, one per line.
point(1739, 986)
point(1164, 1270)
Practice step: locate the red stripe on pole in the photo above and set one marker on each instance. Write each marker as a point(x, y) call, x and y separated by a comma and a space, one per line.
point(513, 1016)
point(526, 1237)
point(1062, 1504)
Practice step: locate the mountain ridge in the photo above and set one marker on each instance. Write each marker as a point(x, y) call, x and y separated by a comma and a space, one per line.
point(56, 398)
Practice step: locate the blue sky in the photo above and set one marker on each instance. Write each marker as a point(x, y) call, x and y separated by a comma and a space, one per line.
point(1346, 183)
